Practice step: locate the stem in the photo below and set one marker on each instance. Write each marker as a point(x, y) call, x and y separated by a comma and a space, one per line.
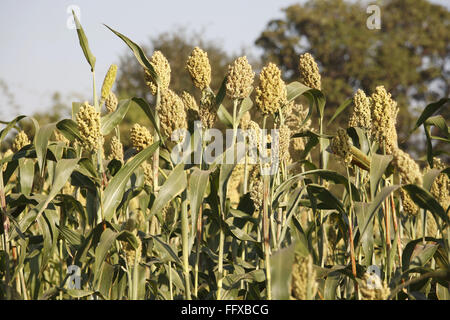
point(220, 280)
point(185, 242)
point(199, 227)
point(266, 238)
point(350, 227)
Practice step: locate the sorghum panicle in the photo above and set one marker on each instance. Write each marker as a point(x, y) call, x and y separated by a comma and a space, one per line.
point(239, 79)
point(141, 138)
point(309, 71)
point(162, 69)
point(88, 121)
point(199, 68)
point(271, 93)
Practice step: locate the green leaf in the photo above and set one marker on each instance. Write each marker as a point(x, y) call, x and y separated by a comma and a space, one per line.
point(113, 192)
point(237, 232)
point(431, 175)
point(150, 112)
point(439, 122)
point(139, 54)
point(224, 116)
point(111, 120)
point(41, 141)
point(84, 43)
point(63, 170)
point(337, 178)
point(363, 218)
point(198, 182)
point(378, 166)
point(373, 208)
point(106, 241)
point(69, 129)
point(175, 184)
point(417, 254)
point(340, 109)
point(10, 125)
point(425, 200)
point(429, 111)
point(74, 293)
point(295, 89)
point(26, 175)
point(281, 263)
point(332, 282)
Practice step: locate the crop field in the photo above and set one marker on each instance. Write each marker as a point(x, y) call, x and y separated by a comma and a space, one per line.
point(239, 191)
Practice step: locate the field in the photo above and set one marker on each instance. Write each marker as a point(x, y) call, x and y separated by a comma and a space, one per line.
point(274, 207)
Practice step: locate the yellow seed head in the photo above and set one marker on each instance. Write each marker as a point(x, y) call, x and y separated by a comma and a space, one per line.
point(285, 136)
point(207, 110)
point(304, 285)
point(192, 112)
point(111, 102)
point(295, 115)
point(440, 188)
point(109, 81)
point(384, 117)
point(245, 120)
point(116, 149)
point(256, 187)
point(360, 116)
point(237, 177)
point(148, 173)
point(20, 141)
point(162, 69)
point(409, 171)
point(61, 138)
point(133, 256)
point(199, 68)
point(271, 93)
point(88, 121)
point(239, 79)
point(373, 289)
point(309, 71)
point(254, 134)
point(140, 137)
point(172, 114)
point(341, 145)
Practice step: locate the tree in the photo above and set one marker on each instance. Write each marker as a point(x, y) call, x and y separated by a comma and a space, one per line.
point(409, 55)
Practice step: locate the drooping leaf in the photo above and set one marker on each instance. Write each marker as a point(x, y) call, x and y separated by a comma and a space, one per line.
point(84, 43)
point(113, 192)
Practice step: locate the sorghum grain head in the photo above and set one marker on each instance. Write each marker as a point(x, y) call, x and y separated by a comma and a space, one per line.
point(140, 137)
point(172, 114)
point(309, 71)
point(199, 68)
point(207, 110)
point(384, 117)
point(340, 145)
point(111, 102)
point(109, 81)
point(271, 93)
point(20, 141)
point(88, 121)
point(116, 149)
point(360, 116)
point(162, 69)
point(239, 79)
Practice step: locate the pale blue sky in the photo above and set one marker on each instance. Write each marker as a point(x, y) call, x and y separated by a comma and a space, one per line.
point(40, 54)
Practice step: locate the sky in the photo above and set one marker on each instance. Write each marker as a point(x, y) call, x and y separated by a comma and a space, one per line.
point(40, 53)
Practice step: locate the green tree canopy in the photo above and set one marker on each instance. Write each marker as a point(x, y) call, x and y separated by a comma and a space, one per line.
point(409, 55)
